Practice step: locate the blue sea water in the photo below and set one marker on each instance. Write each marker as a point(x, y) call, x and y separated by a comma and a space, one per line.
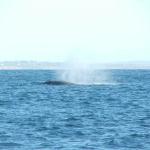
point(36, 116)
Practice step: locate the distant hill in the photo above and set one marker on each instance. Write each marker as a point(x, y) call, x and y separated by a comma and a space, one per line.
point(20, 65)
point(12, 65)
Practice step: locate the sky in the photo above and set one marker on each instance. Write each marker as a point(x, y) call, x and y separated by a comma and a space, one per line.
point(60, 30)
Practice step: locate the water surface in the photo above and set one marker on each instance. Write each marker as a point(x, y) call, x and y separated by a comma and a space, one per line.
point(36, 116)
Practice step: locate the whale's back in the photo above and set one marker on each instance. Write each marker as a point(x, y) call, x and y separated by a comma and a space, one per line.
point(51, 82)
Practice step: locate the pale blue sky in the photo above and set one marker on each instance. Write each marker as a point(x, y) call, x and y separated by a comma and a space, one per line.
point(58, 30)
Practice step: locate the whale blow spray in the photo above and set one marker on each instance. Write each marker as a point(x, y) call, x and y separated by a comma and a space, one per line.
point(80, 72)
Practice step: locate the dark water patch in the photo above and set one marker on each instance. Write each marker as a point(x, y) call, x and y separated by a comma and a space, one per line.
point(10, 145)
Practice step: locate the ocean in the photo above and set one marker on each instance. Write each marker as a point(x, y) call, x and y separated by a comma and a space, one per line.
point(36, 116)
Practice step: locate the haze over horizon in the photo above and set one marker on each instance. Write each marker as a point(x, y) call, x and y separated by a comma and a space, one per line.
point(62, 30)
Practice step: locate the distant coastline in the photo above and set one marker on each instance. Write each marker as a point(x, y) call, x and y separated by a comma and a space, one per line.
point(35, 65)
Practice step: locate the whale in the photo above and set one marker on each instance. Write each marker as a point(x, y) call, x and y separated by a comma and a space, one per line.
point(55, 82)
